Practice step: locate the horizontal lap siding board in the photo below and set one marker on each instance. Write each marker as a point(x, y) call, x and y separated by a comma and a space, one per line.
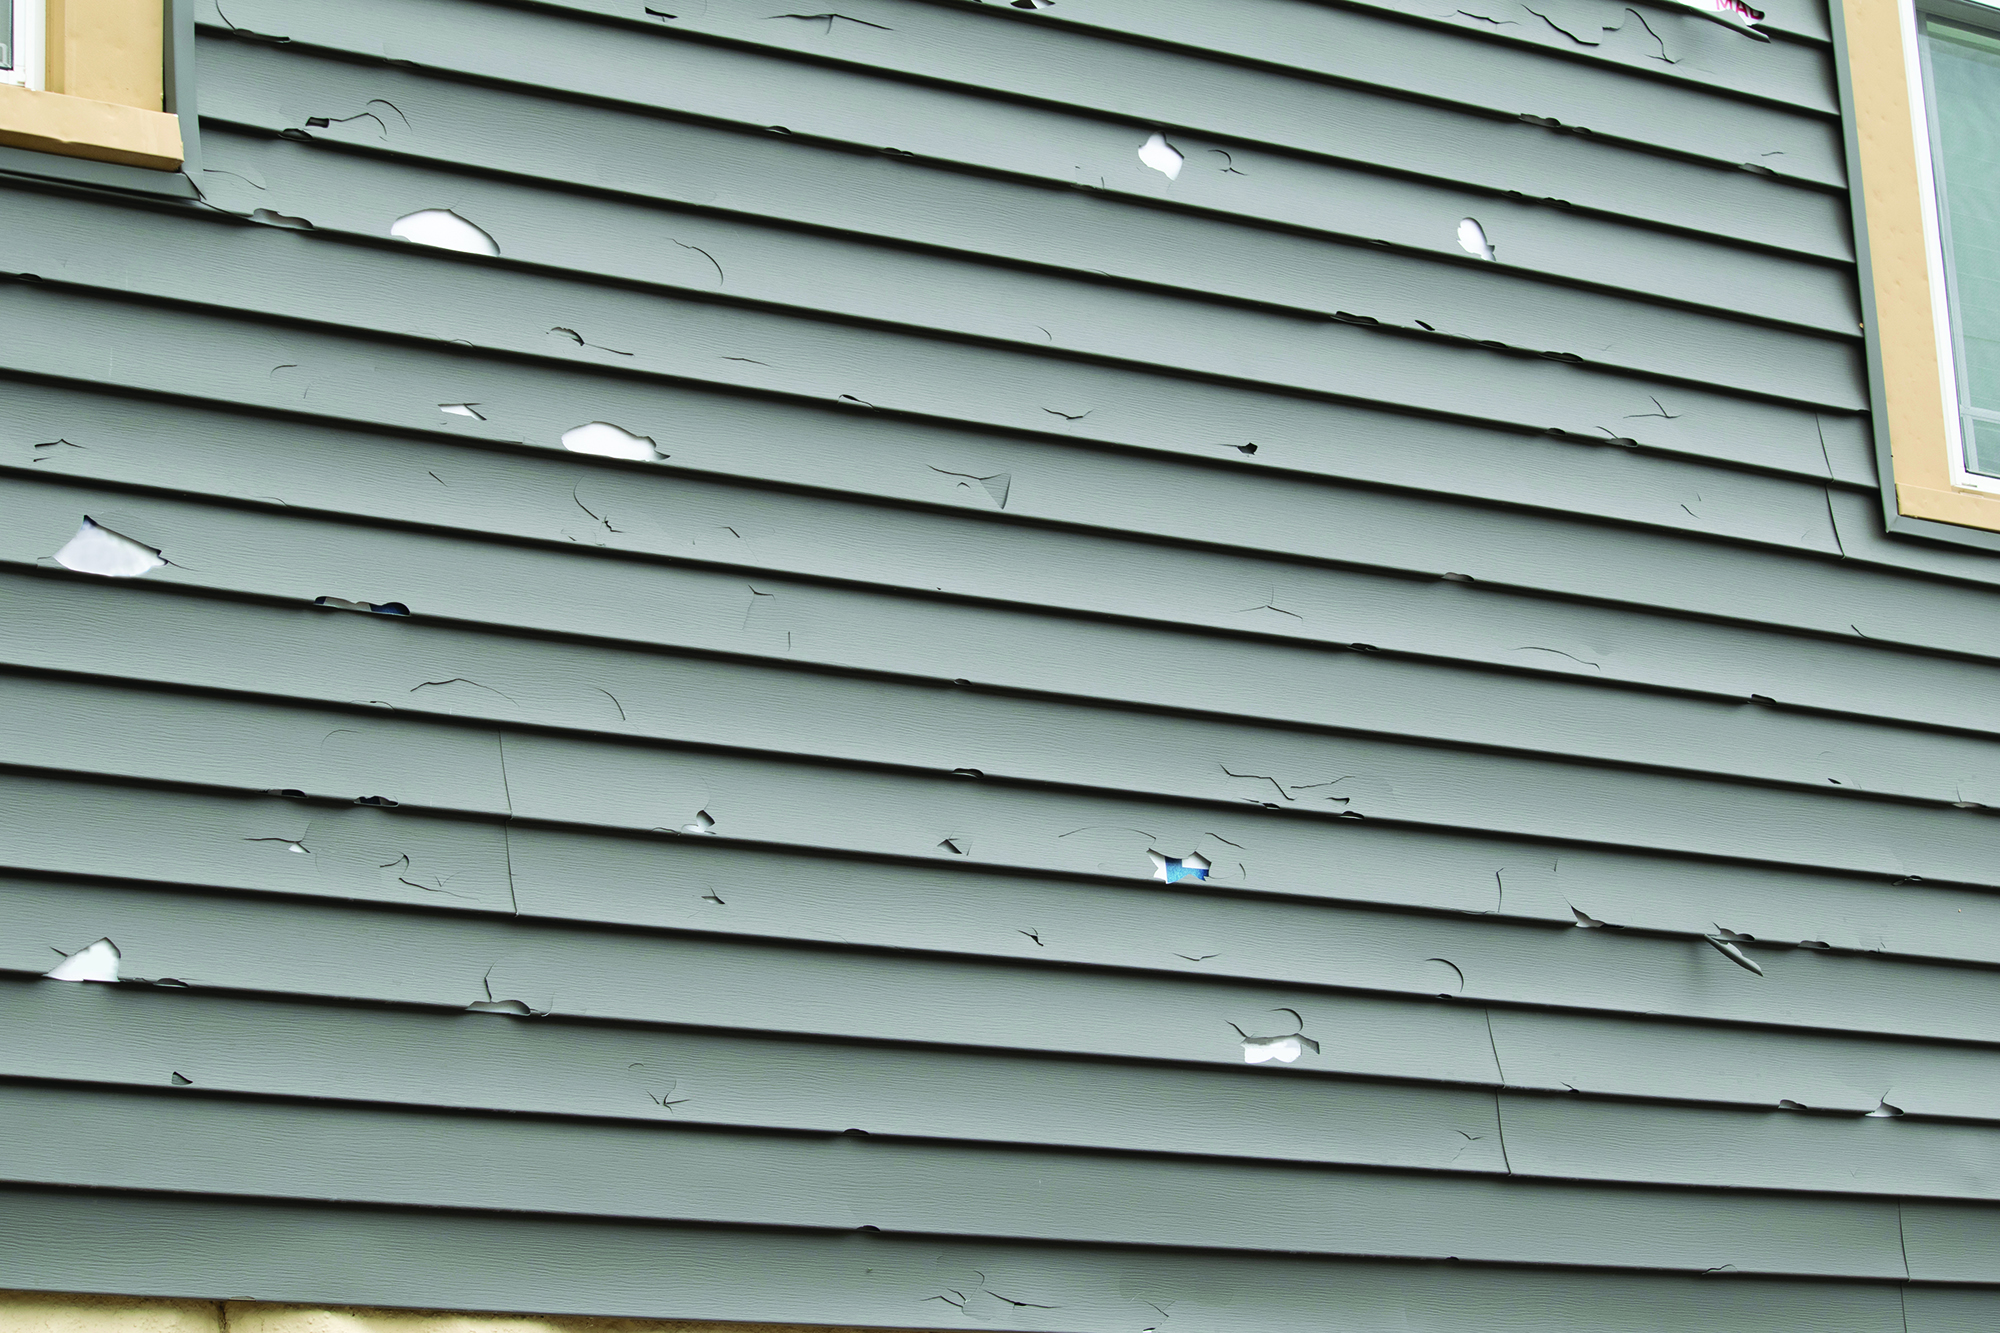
point(1019, 516)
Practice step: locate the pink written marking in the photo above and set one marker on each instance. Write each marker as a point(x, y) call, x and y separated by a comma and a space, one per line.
point(1733, 12)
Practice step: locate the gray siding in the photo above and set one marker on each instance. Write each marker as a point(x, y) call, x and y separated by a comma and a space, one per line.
point(1021, 512)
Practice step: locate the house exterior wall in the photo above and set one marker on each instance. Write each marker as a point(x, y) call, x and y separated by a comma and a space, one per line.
point(759, 878)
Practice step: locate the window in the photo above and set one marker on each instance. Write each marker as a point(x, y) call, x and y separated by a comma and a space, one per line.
point(1961, 85)
point(88, 79)
point(21, 42)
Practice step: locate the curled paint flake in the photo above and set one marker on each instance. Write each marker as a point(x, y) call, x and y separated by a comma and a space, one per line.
point(374, 608)
point(1726, 946)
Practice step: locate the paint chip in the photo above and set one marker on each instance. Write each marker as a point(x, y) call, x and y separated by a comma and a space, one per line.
point(272, 218)
point(609, 441)
point(96, 549)
point(1472, 238)
point(1161, 156)
point(93, 962)
point(998, 486)
point(1725, 942)
point(376, 608)
point(1173, 869)
point(444, 229)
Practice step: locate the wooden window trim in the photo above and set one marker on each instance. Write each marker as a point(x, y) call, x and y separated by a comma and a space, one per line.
point(105, 64)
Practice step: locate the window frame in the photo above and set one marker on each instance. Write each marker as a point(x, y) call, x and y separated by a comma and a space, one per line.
point(1899, 252)
point(177, 88)
point(27, 33)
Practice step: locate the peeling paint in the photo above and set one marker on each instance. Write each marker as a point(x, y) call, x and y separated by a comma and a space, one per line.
point(1005, 438)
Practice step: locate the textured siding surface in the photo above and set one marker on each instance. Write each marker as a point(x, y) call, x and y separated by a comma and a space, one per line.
point(1505, 635)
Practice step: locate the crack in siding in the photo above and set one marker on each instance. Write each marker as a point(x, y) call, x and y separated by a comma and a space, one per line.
point(506, 825)
point(720, 276)
point(1499, 1119)
point(829, 20)
point(461, 680)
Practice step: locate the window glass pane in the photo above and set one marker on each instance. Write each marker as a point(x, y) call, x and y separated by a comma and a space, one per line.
point(1982, 446)
point(6, 34)
point(1965, 127)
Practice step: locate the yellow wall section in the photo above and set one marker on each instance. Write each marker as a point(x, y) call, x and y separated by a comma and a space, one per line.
point(107, 50)
point(46, 1312)
point(1885, 127)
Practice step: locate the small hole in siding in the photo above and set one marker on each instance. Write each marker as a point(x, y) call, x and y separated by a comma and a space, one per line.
point(444, 229)
point(96, 549)
point(1284, 1048)
point(1174, 869)
point(1161, 156)
point(609, 441)
point(1472, 238)
point(93, 962)
point(489, 1005)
